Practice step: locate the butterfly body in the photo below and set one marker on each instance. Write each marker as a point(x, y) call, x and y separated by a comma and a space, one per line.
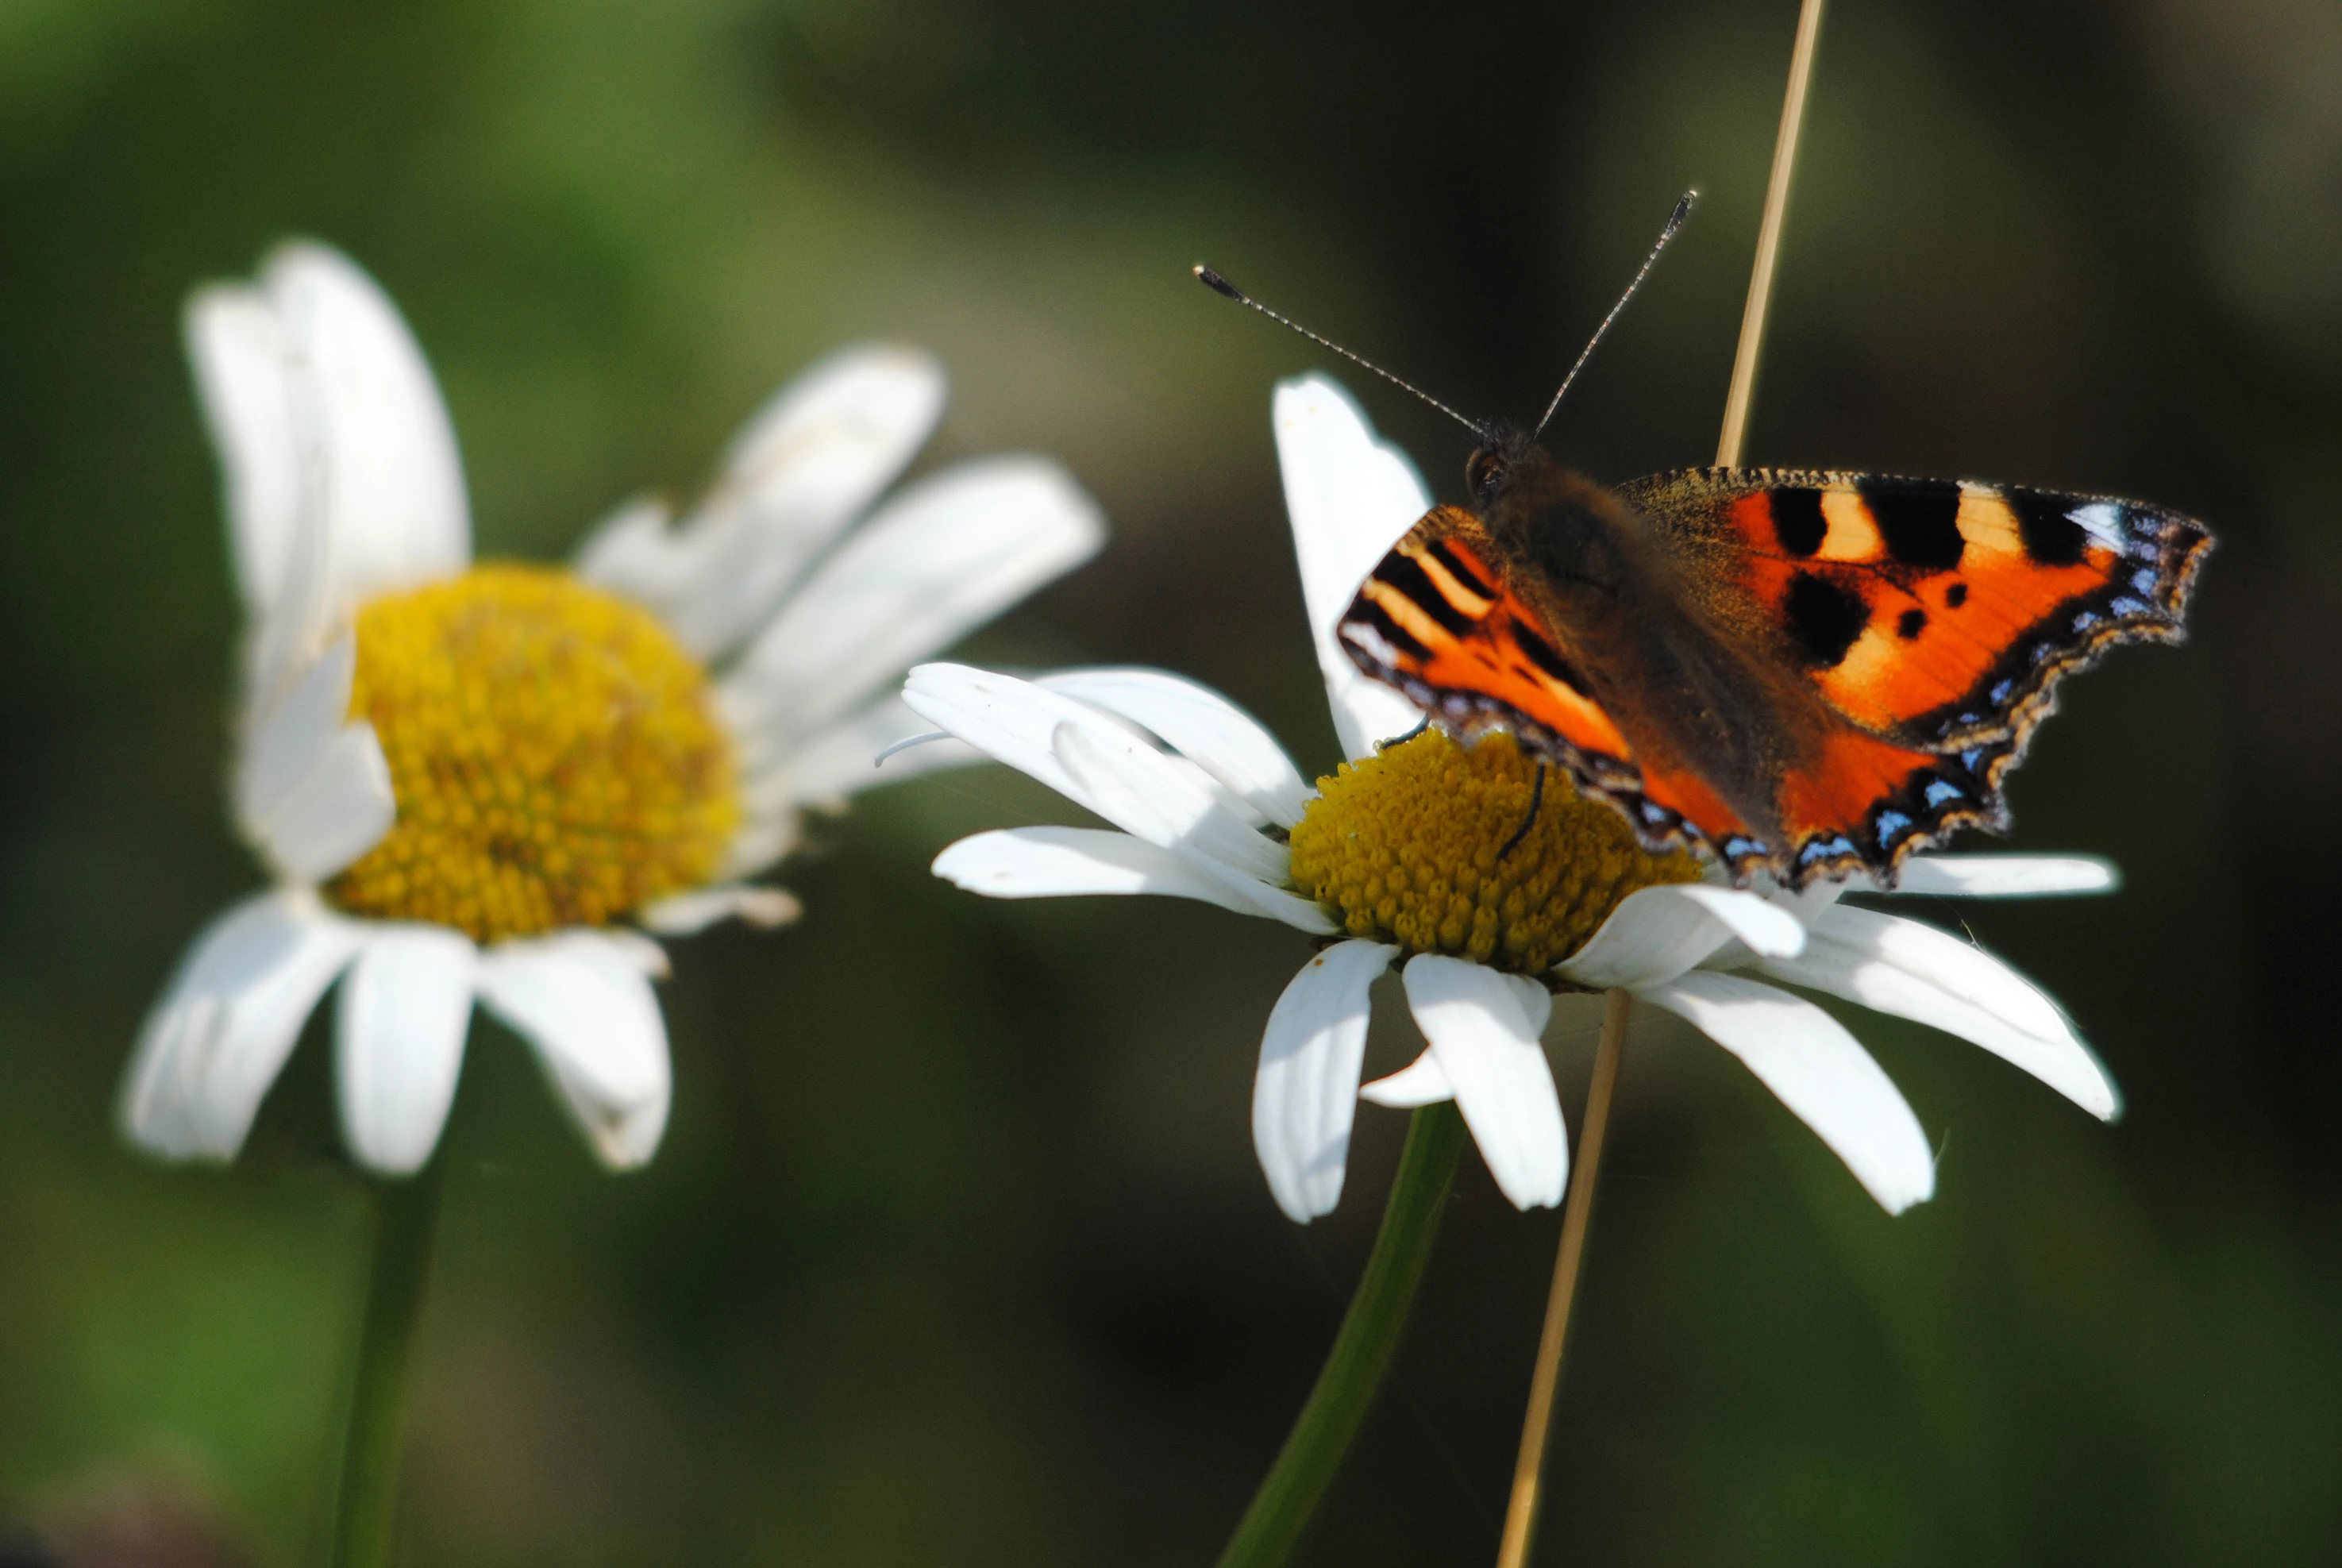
point(1804, 673)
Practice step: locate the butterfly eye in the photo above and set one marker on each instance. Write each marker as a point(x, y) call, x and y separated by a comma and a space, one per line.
point(1484, 473)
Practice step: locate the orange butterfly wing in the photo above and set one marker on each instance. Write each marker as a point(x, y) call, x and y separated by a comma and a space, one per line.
point(1436, 621)
point(1935, 613)
point(1933, 619)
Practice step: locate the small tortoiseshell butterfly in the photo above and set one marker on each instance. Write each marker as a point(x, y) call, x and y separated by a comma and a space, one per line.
point(1808, 673)
point(1805, 674)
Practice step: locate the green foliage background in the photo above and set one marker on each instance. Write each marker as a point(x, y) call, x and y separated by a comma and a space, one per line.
point(956, 1251)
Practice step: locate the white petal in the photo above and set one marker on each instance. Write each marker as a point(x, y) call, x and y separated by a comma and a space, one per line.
point(845, 758)
point(844, 426)
point(584, 1000)
point(2005, 875)
point(688, 913)
point(1820, 1073)
point(936, 561)
point(1227, 742)
point(1092, 760)
point(404, 1010)
point(245, 369)
point(1126, 781)
point(1130, 782)
point(1805, 903)
point(398, 515)
point(315, 369)
point(807, 464)
point(854, 754)
point(221, 1033)
point(1422, 1081)
point(293, 738)
point(1306, 1090)
point(634, 949)
point(344, 479)
point(1480, 1031)
point(313, 790)
point(1067, 862)
point(338, 810)
point(764, 837)
point(1658, 933)
point(1351, 498)
point(1535, 1001)
point(1008, 720)
point(1914, 971)
point(631, 554)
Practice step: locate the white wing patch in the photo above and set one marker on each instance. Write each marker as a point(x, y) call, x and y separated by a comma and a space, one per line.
point(2102, 521)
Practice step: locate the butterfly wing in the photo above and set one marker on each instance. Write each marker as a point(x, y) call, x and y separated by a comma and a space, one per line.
point(1436, 620)
point(1938, 614)
point(1931, 620)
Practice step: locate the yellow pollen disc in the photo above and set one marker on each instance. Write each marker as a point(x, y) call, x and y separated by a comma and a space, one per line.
point(556, 756)
point(1409, 847)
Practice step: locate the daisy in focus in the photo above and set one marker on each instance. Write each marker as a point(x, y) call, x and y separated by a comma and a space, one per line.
point(1490, 882)
point(501, 782)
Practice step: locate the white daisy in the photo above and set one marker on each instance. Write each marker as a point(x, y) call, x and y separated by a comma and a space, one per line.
point(1421, 850)
point(477, 782)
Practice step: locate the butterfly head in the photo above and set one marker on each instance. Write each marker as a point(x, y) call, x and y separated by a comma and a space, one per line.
point(1549, 520)
point(1488, 471)
point(1506, 456)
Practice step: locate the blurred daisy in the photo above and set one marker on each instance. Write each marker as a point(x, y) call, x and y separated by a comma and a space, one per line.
point(1494, 889)
point(490, 781)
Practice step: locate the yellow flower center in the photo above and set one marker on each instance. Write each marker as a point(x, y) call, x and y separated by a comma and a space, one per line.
point(555, 755)
point(1436, 847)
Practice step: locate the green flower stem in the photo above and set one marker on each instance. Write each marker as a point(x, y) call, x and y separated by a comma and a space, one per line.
point(405, 1212)
point(1362, 1351)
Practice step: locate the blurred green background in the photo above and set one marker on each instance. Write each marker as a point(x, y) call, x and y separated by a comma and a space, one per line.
point(956, 1251)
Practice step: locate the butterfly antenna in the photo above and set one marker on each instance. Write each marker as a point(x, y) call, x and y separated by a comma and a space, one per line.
point(1674, 221)
point(1222, 286)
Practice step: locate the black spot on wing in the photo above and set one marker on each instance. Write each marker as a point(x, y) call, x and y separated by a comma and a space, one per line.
point(1910, 623)
point(2051, 536)
point(1955, 595)
point(1546, 657)
point(1797, 520)
point(1825, 618)
point(1365, 611)
point(1415, 583)
point(1463, 571)
point(1918, 519)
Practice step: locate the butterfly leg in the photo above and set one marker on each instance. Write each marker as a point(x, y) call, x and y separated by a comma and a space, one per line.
point(1537, 799)
point(1402, 740)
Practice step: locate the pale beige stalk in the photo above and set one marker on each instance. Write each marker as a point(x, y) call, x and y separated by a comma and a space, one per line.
point(1768, 239)
point(1528, 1469)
